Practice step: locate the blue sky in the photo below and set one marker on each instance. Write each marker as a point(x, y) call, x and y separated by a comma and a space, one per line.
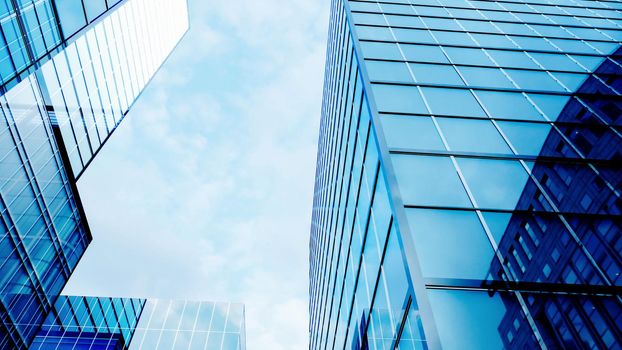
point(205, 190)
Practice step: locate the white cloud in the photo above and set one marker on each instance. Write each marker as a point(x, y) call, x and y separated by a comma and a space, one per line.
point(205, 191)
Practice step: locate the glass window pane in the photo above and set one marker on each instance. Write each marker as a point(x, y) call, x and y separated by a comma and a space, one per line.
point(94, 8)
point(469, 135)
point(388, 71)
point(495, 184)
point(551, 105)
point(411, 132)
point(412, 337)
point(454, 102)
point(387, 51)
point(450, 244)
point(374, 33)
point(526, 138)
point(468, 56)
point(424, 53)
point(534, 80)
point(71, 15)
point(435, 74)
point(571, 81)
point(398, 98)
point(556, 61)
point(413, 36)
point(512, 59)
point(404, 21)
point(508, 105)
point(485, 77)
point(475, 319)
point(428, 180)
point(368, 18)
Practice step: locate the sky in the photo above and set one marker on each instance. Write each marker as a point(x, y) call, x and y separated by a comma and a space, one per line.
point(205, 190)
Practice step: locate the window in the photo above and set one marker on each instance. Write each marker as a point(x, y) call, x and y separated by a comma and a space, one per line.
point(571, 81)
point(495, 41)
point(531, 43)
point(458, 102)
point(468, 56)
point(71, 15)
point(591, 63)
point(526, 138)
point(495, 184)
point(453, 38)
point(398, 98)
point(555, 61)
point(441, 23)
point(412, 337)
point(413, 36)
point(368, 18)
point(512, 59)
point(451, 244)
point(424, 53)
point(485, 77)
point(471, 319)
point(374, 33)
point(411, 132)
point(470, 135)
point(551, 105)
point(508, 105)
point(380, 50)
point(478, 26)
point(534, 80)
point(405, 21)
point(425, 180)
point(435, 74)
point(94, 8)
point(398, 9)
point(394, 272)
point(388, 71)
point(364, 6)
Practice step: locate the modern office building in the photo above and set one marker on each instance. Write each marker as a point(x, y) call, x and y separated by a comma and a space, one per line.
point(123, 323)
point(70, 70)
point(469, 176)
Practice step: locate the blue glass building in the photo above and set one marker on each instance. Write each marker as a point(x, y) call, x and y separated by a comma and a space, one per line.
point(469, 177)
point(91, 323)
point(70, 70)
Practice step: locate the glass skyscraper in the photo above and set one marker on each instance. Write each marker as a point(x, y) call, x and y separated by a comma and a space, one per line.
point(469, 177)
point(136, 324)
point(70, 70)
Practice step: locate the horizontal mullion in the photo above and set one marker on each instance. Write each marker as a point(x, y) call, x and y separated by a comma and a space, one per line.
point(478, 88)
point(492, 33)
point(506, 286)
point(540, 159)
point(505, 11)
point(484, 47)
point(582, 215)
point(488, 66)
point(561, 123)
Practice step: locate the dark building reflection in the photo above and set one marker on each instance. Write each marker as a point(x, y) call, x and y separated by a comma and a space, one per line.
point(575, 246)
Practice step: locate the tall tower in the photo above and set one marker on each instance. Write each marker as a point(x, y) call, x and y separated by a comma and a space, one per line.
point(69, 72)
point(469, 177)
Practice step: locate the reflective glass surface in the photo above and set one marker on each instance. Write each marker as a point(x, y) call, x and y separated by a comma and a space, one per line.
point(89, 323)
point(60, 98)
point(360, 289)
point(497, 126)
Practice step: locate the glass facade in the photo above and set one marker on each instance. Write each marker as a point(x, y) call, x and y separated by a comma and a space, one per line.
point(32, 29)
point(89, 323)
point(69, 72)
point(91, 84)
point(469, 177)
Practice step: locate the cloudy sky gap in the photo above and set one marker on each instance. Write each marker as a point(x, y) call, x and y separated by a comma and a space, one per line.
point(205, 190)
